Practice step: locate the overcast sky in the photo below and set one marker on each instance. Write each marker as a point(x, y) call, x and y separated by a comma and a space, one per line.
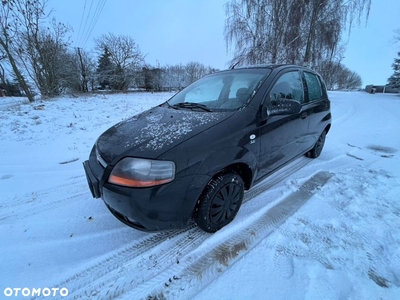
point(180, 31)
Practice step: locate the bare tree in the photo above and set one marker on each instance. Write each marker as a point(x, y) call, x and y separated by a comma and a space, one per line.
point(90, 68)
point(179, 76)
point(79, 71)
point(338, 77)
point(37, 46)
point(329, 19)
point(125, 55)
point(2, 72)
point(9, 34)
point(353, 80)
point(44, 58)
point(83, 68)
point(330, 71)
point(174, 77)
point(246, 31)
point(194, 71)
point(289, 31)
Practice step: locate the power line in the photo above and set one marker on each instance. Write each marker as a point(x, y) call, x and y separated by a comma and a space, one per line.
point(80, 24)
point(84, 27)
point(96, 16)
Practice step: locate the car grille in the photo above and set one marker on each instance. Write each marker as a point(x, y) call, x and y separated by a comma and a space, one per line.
point(126, 220)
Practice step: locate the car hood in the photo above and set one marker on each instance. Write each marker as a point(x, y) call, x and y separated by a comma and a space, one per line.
point(155, 131)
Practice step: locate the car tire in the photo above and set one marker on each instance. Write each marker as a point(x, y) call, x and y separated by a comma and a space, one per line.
point(319, 145)
point(219, 202)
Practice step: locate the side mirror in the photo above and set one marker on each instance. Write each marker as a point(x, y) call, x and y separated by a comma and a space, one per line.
point(284, 107)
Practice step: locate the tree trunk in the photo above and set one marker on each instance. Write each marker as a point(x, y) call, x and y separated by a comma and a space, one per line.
point(20, 77)
point(310, 38)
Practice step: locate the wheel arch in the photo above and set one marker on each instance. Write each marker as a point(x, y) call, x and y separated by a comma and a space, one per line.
point(327, 128)
point(238, 159)
point(243, 170)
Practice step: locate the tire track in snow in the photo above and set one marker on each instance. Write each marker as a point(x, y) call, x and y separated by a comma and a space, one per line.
point(148, 256)
point(201, 266)
point(276, 177)
point(343, 118)
point(113, 276)
point(36, 202)
point(112, 261)
point(71, 186)
point(38, 209)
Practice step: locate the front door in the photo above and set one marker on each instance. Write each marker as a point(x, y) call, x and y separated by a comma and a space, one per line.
point(283, 137)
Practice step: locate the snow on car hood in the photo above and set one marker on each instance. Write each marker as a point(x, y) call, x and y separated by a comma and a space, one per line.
point(155, 131)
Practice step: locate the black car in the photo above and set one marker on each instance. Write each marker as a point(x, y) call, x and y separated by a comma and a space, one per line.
point(192, 157)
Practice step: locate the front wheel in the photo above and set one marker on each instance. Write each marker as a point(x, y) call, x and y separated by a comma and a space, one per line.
point(220, 202)
point(319, 145)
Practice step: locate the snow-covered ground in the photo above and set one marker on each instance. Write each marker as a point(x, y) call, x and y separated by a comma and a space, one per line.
point(317, 229)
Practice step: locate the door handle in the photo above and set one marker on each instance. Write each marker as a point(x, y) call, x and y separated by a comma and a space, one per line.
point(304, 115)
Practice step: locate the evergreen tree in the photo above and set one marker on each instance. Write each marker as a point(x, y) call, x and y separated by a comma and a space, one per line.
point(394, 80)
point(105, 69)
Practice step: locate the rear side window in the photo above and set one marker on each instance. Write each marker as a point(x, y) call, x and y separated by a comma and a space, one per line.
point(314, 87)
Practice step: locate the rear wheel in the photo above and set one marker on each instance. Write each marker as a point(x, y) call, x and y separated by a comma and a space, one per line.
point(319, 145)
point(220, 202)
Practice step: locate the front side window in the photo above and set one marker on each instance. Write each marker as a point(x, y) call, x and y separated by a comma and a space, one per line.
point(221, 91)
point(289, 86)
point(314, 87)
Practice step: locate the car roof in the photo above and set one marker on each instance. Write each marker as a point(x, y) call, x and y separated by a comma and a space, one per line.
point(271, 66)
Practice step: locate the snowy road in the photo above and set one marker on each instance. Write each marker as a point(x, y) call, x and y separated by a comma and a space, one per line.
point(317, 229)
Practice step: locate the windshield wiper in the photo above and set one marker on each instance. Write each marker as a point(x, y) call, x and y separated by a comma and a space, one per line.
point(191, 105)
point(169, 105)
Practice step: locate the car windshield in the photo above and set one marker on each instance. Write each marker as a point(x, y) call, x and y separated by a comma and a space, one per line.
point(228, 90)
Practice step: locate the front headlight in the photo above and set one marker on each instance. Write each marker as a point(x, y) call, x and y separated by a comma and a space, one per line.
point(138, 172)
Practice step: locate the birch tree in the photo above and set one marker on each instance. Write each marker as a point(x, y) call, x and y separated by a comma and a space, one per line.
point(289, 31)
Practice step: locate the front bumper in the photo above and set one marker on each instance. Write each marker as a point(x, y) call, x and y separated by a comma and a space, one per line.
point(162, 207)
point(92, 181)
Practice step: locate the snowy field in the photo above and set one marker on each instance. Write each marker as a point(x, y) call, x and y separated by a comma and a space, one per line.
point(317, 229)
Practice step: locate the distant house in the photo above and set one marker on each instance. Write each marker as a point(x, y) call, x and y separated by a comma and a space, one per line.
point(381, 89)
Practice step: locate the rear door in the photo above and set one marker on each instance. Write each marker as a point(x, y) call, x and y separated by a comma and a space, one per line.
point(316, 106)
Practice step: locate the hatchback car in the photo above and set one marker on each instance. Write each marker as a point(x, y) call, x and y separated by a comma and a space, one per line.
point(192, 157)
